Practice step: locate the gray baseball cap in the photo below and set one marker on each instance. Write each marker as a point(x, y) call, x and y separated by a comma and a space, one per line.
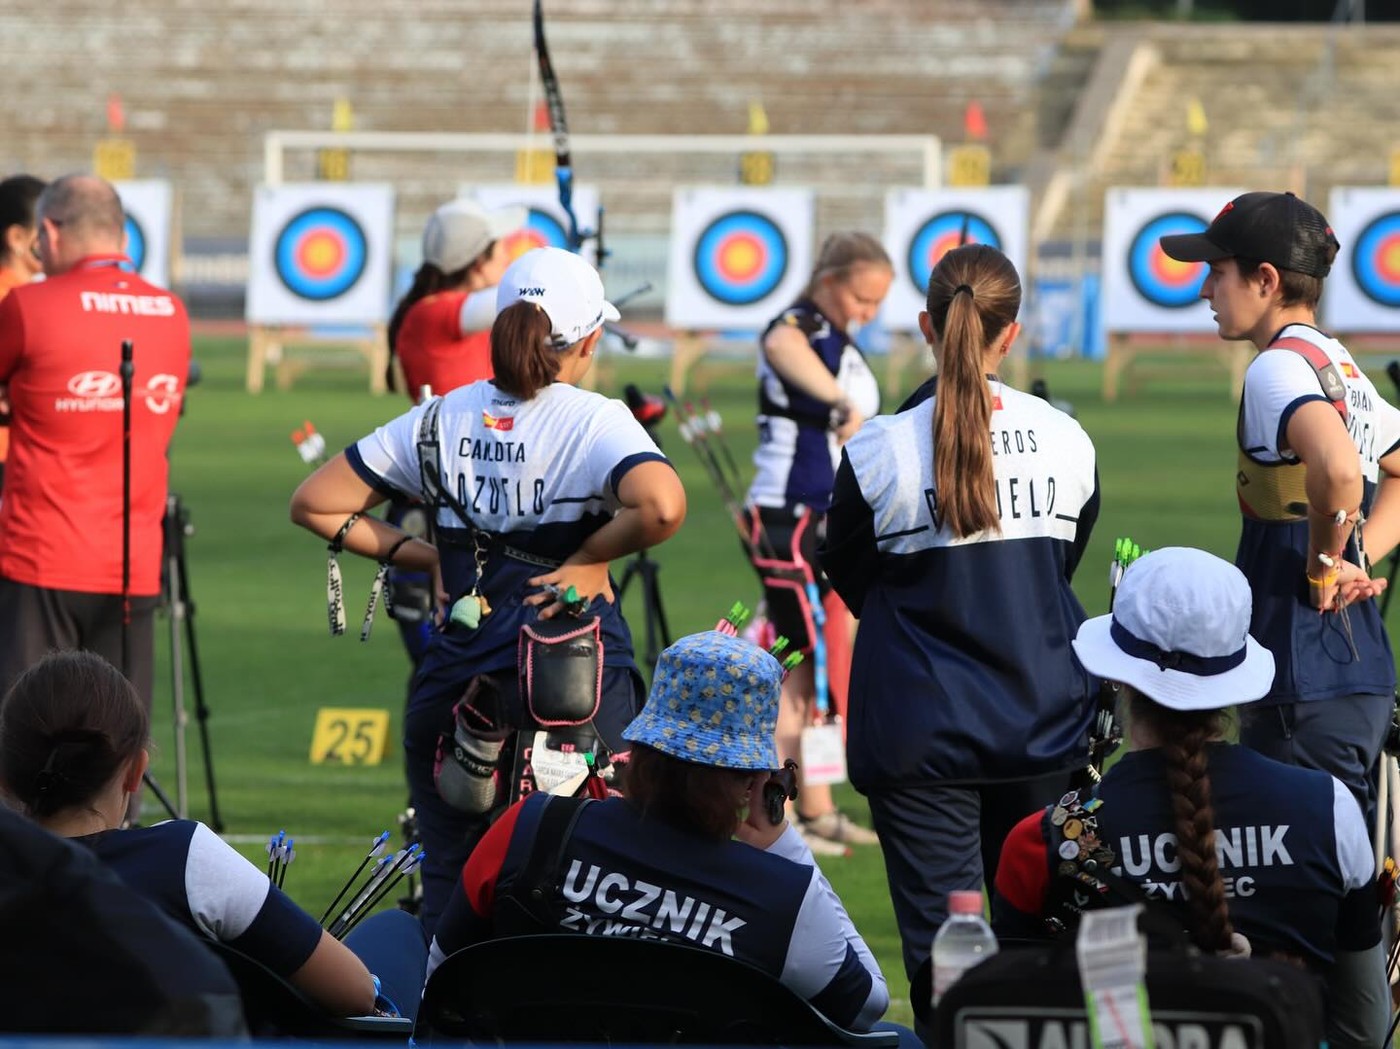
point(460, 230)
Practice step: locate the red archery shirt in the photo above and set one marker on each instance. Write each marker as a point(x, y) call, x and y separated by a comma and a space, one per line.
point(60, 353)
point(433, 350)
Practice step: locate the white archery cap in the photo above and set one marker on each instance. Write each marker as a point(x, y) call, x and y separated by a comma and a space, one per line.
point(460, 230)
point(1179, 633)
point(562, 284)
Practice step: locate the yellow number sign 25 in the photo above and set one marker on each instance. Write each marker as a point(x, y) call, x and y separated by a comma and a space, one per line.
point(349, 736)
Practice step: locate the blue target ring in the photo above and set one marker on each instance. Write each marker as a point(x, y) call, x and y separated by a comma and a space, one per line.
point(135, 243)
point(1375, 261)
point(741, 257)
point(1159, 279)
point(939, 235)
point(320, 254)
point(547, 228)
point(541, 230)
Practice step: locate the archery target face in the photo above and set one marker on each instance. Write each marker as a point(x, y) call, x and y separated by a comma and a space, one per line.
point(921, 226)
point(1362, 293)
point(547, 226)
point(135, 242)
point(1375, 262)
point(1158, 278)
point(939, 235)
point(738, 256)
point(320, 252)
point(147, 205)
point(1143, 289)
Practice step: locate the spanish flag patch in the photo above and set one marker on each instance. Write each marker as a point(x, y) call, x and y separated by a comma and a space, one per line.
point(496, 422)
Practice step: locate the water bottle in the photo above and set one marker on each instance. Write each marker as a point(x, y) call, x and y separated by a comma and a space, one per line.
point(962, 941)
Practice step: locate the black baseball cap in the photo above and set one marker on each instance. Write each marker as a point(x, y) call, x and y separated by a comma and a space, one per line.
point(1271, 227)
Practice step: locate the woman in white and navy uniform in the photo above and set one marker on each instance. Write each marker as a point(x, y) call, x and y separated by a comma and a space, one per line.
point(814, 391)
point(73, 738)
point(1246, 850)
point(954, 530)
point(556, 482)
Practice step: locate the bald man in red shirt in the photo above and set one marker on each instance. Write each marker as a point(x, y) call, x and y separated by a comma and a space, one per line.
point(61, 547)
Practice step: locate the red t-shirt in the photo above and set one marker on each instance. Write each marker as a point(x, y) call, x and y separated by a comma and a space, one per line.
point(60, 353)
point(10, 279)
point(433, 350)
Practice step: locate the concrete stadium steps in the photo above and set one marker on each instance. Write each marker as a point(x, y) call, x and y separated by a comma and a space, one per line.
point(201, 83)
point(1289, 107)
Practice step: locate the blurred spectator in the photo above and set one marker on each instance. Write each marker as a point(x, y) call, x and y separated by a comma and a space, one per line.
point(19, 262)
point(64, 571)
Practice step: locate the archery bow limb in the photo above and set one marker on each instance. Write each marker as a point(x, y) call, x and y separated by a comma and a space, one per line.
point(559, 129)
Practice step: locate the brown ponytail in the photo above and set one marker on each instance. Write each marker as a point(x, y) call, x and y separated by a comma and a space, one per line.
point(67, 726)
point(1182, 736)
point(973, 294)
point(521, 357)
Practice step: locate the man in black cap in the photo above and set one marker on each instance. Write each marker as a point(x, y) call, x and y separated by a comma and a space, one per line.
point(1315, 440)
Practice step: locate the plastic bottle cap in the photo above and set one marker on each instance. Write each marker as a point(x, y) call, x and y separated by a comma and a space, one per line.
point(966, 901)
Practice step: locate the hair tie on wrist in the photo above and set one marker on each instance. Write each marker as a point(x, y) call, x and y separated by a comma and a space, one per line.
point(963, 287)
point(388, 558)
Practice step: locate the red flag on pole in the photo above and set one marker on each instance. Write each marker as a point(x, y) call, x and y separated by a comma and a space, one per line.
point(116, 116)
point(975, 121)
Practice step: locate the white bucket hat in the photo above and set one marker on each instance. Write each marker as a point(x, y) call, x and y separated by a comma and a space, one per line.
point(459, 231)
point(1179, 633)
point(562, 284)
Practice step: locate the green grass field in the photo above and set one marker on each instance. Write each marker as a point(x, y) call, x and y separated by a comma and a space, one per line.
point(1166, 466)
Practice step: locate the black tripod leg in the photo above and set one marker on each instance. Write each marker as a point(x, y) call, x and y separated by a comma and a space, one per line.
point(161, 796)
point(201, 711)
point(658, 610)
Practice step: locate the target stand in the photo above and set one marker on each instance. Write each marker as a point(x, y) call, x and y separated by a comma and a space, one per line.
point(319, 280)
point(269, 345)
point(1122, 350)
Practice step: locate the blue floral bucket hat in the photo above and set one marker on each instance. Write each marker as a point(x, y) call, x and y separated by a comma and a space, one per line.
point(713, 701)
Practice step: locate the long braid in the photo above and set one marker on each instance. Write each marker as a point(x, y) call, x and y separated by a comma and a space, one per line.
point(1183, 736)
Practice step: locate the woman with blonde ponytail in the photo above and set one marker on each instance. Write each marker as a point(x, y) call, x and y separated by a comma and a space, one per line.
point(954, 529)
point(814, 391)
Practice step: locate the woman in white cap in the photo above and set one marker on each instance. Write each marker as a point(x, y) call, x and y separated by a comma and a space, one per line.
point(1255, 855)
point(440, 331)
point(692, 837)
point(538, 485)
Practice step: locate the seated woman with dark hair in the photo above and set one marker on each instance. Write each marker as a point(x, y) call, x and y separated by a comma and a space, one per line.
point(690, 855)
point(1256, 857)
point(73, 737)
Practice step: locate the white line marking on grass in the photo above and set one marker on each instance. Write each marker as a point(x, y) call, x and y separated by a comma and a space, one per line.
point(255, 839)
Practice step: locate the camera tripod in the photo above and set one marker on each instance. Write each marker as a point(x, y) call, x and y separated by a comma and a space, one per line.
point(175, 596)
point(653, 611)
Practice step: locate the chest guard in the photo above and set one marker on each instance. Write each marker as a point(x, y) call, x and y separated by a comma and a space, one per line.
point(1275, 491)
